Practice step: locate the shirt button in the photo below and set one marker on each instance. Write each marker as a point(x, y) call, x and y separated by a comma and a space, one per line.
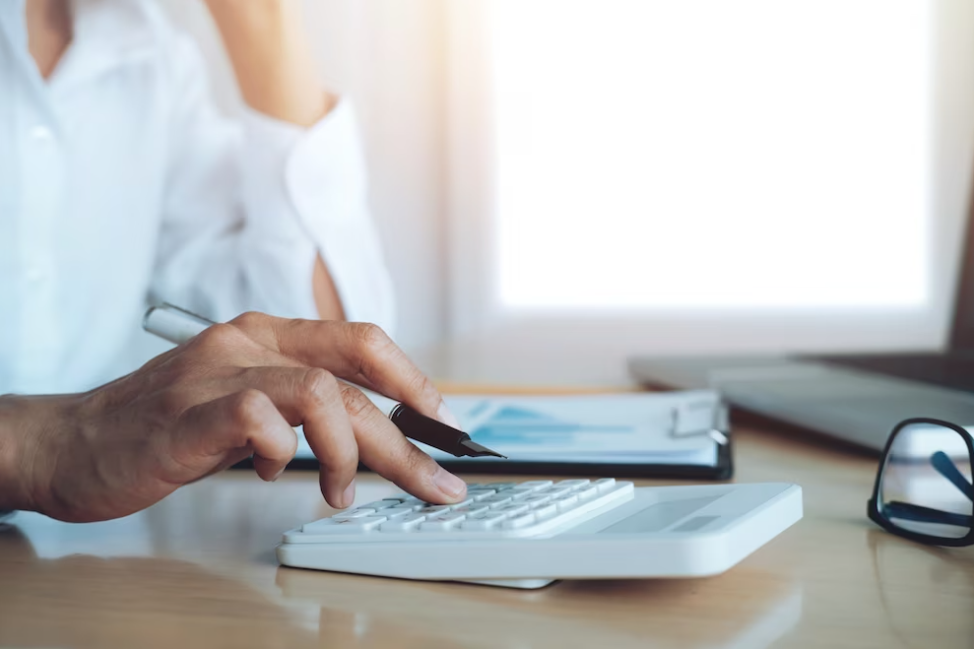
point(42, 134)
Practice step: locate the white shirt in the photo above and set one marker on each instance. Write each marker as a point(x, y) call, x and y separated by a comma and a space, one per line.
point(121, 184)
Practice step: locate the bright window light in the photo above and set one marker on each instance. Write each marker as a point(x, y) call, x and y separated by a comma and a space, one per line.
point(712, 153)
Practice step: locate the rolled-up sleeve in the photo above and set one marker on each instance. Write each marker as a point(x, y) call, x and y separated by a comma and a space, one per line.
point(250, 205)
point(319, 187)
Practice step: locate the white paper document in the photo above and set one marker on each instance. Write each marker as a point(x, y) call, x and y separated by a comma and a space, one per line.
point(683, 427)
point(647, 428)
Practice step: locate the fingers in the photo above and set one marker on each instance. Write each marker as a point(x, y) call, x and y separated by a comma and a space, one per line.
point(235, 424)
point(385, 450)
point(341, 425)
point(359, 352)
point(311, 397)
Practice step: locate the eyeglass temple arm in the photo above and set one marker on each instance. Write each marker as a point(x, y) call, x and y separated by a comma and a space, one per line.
point(921, 514)
point(918, 513)
point(943, 464)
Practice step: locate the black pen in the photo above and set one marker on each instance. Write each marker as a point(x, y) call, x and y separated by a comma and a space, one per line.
point(179, 325)
point(437, 434)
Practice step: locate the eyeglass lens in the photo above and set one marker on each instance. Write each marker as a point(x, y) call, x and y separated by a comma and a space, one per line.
point(926, 482)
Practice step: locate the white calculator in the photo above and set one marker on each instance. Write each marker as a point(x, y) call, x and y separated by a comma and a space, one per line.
point(528, 534)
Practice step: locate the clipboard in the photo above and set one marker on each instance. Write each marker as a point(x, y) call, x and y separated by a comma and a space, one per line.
point(690, 424)
point(667, 435)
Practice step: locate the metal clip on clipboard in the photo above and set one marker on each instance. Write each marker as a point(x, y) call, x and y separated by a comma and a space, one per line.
point(704, 417)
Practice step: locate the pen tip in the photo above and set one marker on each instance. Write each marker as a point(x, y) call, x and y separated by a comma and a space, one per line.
point(478, 450)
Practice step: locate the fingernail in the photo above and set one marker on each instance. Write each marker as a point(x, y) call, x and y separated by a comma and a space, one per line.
point(278, 474)
point(447, 417)
point(449, 483)
point(348, 496)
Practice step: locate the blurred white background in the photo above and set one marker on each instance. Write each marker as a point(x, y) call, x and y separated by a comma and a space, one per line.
point(657, 176)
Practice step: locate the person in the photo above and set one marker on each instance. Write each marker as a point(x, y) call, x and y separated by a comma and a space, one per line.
point(120, 183)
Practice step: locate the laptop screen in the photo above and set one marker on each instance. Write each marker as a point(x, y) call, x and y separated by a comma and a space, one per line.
point(962, 331)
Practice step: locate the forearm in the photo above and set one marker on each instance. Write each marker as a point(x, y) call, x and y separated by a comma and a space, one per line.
point(272, 58)
point(25, 425)
point(275, 70)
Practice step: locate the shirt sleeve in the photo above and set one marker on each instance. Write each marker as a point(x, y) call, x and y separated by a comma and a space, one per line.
point(250, 203)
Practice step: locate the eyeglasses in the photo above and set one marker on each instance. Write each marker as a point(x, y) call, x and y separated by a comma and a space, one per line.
point(923, 489)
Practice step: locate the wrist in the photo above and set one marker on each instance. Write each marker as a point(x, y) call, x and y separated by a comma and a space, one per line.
point(27, 427)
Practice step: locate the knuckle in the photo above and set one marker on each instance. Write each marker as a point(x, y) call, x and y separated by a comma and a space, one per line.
point(317, 386)
point(219, 336)
point(419, 383)
point(355, 401)
point(370, 336)
point(249, 320)
point(248, 408)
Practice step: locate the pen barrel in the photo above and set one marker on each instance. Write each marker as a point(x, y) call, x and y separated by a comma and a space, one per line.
point(173, 324)
point(428, 430)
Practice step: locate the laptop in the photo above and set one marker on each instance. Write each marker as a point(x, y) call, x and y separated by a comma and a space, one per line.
point(855, 397)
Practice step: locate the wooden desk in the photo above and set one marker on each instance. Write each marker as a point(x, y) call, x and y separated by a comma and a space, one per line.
point(198, 570)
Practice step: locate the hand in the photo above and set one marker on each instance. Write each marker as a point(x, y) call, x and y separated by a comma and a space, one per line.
point(232, 391)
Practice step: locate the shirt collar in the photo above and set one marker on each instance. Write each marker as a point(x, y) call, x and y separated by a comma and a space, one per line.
point(14, 26)
point(107, 34)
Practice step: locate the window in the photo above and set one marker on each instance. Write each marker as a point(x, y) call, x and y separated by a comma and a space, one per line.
point(659, 154)
point(709, 175)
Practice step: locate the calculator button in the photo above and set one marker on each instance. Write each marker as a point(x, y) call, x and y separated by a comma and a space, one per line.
point(405, 500)
point(587, 493)
point(471, 509)
point(483, 521)
point(532, 485)
point(574, 484)
point(511, 509)
point(517, 522)
point(316, 525)
point(367, 524)
point(442, 522)
point(396, 512)
point(480, 495)
point(605, 485)
point(407, 523)
point(555, 492)
point(535, 499)
point(544, 510)
point(355, 513)
point(566, 502)
point(382, 504)
point(345, 526)
point(496, 500)
point(502, 486)
point(431, 510)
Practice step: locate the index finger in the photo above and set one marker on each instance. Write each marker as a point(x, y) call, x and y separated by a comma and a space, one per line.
point(385, 450)
point(359, 352)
